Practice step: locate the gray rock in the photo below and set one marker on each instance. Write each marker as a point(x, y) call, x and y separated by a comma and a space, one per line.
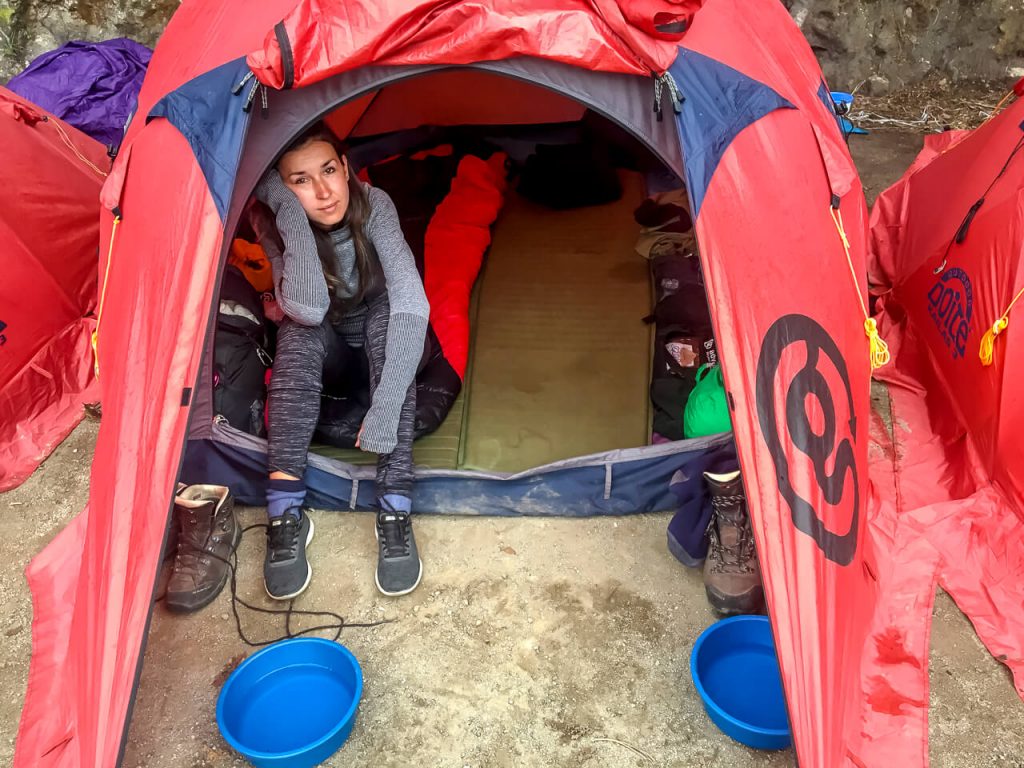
point(29, 28)
point(876, 85)
point(905, 42)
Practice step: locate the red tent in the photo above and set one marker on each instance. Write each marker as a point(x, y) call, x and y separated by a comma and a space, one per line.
point(779, 215)
point(949, 241)
point(51, 234)
point(948, 245)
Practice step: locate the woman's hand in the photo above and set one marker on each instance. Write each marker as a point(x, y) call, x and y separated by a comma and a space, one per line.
point(379, 429)
point(284, 231)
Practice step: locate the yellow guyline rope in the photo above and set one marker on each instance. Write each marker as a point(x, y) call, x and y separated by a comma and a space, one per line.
point(879, 350)
point(103, 294)
point(106, 272)
point(73, 148)
point(998, 107)
point(988, 341)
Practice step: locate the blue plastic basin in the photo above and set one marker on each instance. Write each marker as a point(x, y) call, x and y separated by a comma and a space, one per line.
point(736, 673)
point(291, 704)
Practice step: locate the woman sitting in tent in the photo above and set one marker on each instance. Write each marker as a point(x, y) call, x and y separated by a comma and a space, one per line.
point(353, 299)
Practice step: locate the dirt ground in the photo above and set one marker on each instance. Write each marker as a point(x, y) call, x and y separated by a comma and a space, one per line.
point(530, 642)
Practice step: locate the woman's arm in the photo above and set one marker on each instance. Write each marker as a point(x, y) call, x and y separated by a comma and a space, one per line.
point(407, 324)
point(299, 280)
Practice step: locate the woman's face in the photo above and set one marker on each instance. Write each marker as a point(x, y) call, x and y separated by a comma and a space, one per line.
point(319, 178)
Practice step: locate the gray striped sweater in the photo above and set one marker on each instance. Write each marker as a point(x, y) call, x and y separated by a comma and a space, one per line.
point(302, 294)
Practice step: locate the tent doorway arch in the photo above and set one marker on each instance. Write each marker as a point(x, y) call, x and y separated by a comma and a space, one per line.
point(523, 102)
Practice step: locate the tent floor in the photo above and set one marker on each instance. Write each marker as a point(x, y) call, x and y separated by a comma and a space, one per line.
point(560, 359)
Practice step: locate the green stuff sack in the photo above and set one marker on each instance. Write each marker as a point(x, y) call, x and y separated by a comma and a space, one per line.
point(707, 411)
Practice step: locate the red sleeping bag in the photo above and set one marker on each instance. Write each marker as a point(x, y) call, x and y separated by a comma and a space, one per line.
point(457, 237)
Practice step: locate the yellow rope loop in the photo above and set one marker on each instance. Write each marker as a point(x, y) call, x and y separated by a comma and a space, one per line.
point(103, 294)
point(878, 350)
point(96, 353)
point(70, 145)
point(988, 341)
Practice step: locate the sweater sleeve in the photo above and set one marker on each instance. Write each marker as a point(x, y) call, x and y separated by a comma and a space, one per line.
point(299, 281)
point(407, 324)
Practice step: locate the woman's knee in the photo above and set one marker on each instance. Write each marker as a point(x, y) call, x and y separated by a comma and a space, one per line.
point(293, 335)
point(299, 359)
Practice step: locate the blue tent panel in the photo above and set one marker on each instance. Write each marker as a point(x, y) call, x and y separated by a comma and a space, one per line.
point(211, 118)
point(631, 481)
point(718, 103)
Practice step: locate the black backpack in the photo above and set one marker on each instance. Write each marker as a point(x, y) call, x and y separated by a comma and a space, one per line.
point(241, 355)
point(680, 311)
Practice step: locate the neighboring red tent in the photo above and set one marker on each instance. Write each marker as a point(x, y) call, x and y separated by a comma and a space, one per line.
point(948, 248)
point(771, 185)
point(49, 203)
point(949, 241)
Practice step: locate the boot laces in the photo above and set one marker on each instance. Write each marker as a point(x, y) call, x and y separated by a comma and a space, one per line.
point(734, 558)
point(186, 558)
point(188, 555)
point(283, 537)
point(394, 534)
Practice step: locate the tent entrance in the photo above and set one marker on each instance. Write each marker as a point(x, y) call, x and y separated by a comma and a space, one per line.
point(560, 355)
point(560, 358)
point(555, 412)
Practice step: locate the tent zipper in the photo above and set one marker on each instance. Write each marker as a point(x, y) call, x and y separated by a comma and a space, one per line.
point(257, 88)
point(661, 84)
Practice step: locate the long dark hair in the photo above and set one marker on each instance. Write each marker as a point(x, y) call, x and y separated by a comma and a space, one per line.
point(367, 263)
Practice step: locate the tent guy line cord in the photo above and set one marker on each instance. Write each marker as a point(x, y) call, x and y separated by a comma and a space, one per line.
point(95, 337)
point(878, 349)
point(961, 232)
point(64, 137)
point(1002, 103)
point(336, 626)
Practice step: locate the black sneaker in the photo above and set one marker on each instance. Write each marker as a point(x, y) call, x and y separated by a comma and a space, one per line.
point(286, 572)
point(399, 568)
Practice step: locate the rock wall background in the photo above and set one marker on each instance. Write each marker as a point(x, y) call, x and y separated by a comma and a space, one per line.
point(904, 42)
point(31, 27)
point(883, 43)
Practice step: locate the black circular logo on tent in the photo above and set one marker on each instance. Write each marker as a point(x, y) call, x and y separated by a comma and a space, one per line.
point(817, 440)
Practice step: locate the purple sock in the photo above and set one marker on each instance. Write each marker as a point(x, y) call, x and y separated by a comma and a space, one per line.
point(394, 502)
point(283, 495)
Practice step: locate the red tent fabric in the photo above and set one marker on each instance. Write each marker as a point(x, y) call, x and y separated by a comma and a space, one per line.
point(955, 291)
point(951, 477)
point(772, 195)
point(332, 36)
point(50, 230)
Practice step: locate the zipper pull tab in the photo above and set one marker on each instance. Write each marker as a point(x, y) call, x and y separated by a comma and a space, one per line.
point(664, 83)
point(674, 93)
point(264, 108)
point(251, 97)
point(237, 88)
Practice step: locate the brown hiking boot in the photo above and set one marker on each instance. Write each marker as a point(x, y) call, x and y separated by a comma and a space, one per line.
point(207, 535)
point(732, 576)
